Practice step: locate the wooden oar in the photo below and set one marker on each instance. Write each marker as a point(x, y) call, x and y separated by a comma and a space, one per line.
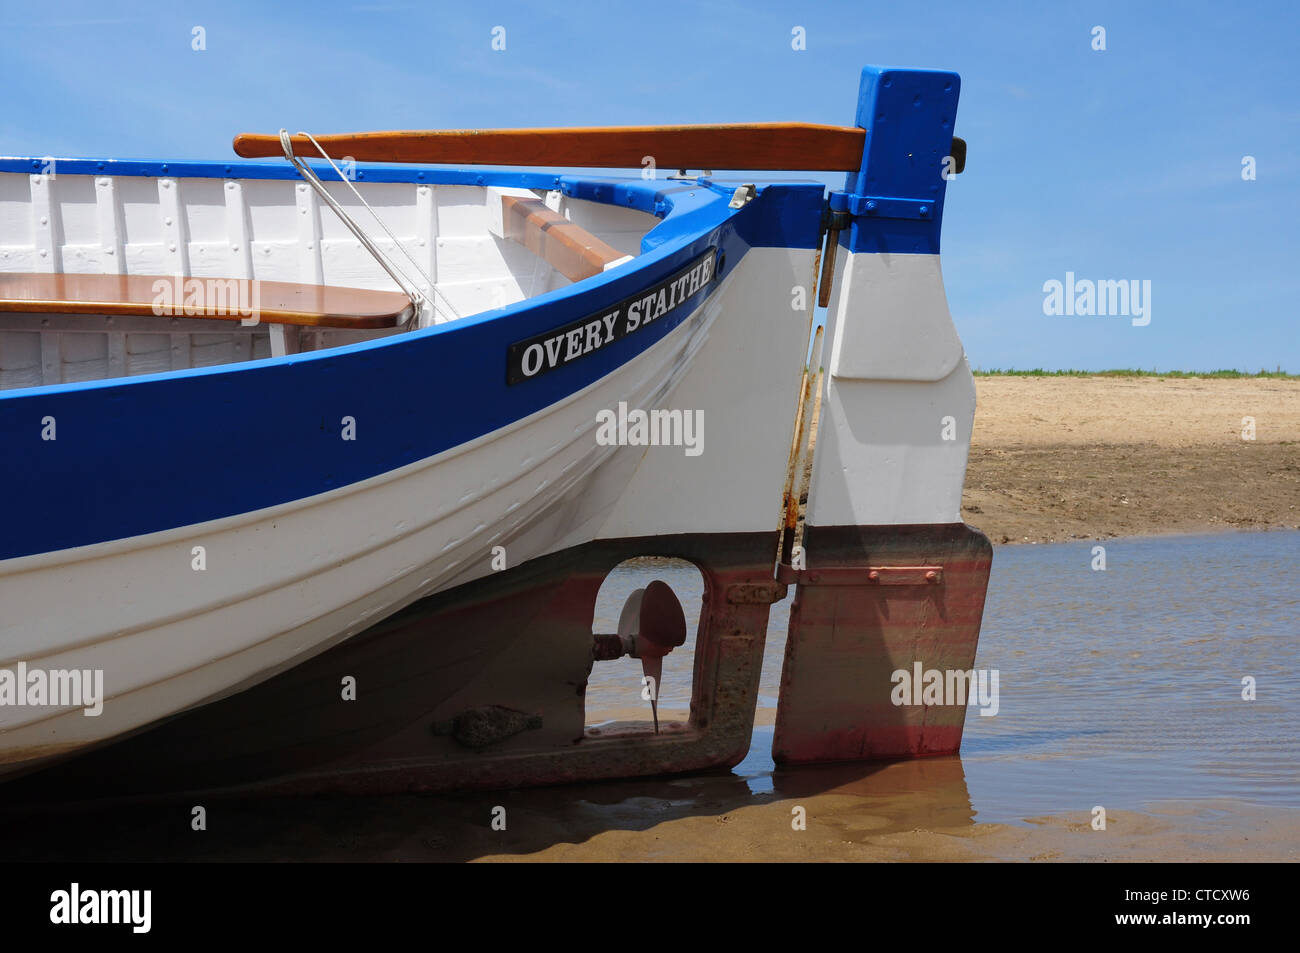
point(761, 146)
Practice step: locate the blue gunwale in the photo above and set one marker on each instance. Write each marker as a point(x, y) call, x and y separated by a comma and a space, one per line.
point(143, 454)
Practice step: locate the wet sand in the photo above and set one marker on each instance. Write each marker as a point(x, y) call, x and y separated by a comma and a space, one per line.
point(1059, 458)
point(847, 828)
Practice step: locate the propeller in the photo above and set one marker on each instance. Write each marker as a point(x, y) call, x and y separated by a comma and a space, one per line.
point(652, 624)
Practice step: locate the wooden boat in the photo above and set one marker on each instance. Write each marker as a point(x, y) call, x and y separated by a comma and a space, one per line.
point(304, 459)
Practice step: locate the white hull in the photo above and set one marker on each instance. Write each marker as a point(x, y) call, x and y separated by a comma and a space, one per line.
point(286, 583)
point(277, 588)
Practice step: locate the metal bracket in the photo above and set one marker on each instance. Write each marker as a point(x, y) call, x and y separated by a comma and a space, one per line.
point(742, 196)
point(880, 206)
point(862, 576)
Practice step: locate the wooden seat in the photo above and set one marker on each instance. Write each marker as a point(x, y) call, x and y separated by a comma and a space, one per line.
point(570, 250)
point(230, 299)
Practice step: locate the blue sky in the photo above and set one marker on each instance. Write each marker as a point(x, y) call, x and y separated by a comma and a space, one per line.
point(1122, 164)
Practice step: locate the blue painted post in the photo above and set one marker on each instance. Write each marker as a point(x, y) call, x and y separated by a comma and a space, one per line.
point(896, 196)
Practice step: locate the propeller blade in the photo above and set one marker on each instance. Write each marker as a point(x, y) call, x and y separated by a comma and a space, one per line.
point(661, 628)
point(650, 626)
point(663, 623)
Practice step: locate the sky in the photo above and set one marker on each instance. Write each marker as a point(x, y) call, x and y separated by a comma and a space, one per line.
point(1117, 164)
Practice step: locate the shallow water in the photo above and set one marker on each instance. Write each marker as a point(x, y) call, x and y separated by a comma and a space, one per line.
point(1118, 687)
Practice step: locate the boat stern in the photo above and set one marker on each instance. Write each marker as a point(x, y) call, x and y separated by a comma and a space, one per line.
point(889, 582)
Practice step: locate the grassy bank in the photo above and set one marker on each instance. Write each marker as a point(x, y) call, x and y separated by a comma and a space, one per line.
point(1278, 374)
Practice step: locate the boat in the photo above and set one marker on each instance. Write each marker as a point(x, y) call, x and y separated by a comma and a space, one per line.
point(315, 460)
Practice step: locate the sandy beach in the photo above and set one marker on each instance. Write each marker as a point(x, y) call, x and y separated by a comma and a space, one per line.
point(1058, 458)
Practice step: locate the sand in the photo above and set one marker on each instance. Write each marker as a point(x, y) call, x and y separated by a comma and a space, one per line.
point(1058, 458)
point(841, 829)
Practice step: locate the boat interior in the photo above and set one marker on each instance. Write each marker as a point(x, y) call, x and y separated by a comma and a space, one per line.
point(118, 269)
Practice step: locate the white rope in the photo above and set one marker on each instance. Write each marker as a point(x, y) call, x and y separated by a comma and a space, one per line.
point(410, 288)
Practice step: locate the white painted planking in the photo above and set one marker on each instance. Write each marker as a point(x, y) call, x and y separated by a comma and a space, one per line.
point(747, 428)
point(109, 231)
point(175, 249)
point(48, 250)
point(425, 251)
point(896, 324)
point(881, 456)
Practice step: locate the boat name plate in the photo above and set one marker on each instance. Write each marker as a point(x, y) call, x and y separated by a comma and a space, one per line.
point(558, 347)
